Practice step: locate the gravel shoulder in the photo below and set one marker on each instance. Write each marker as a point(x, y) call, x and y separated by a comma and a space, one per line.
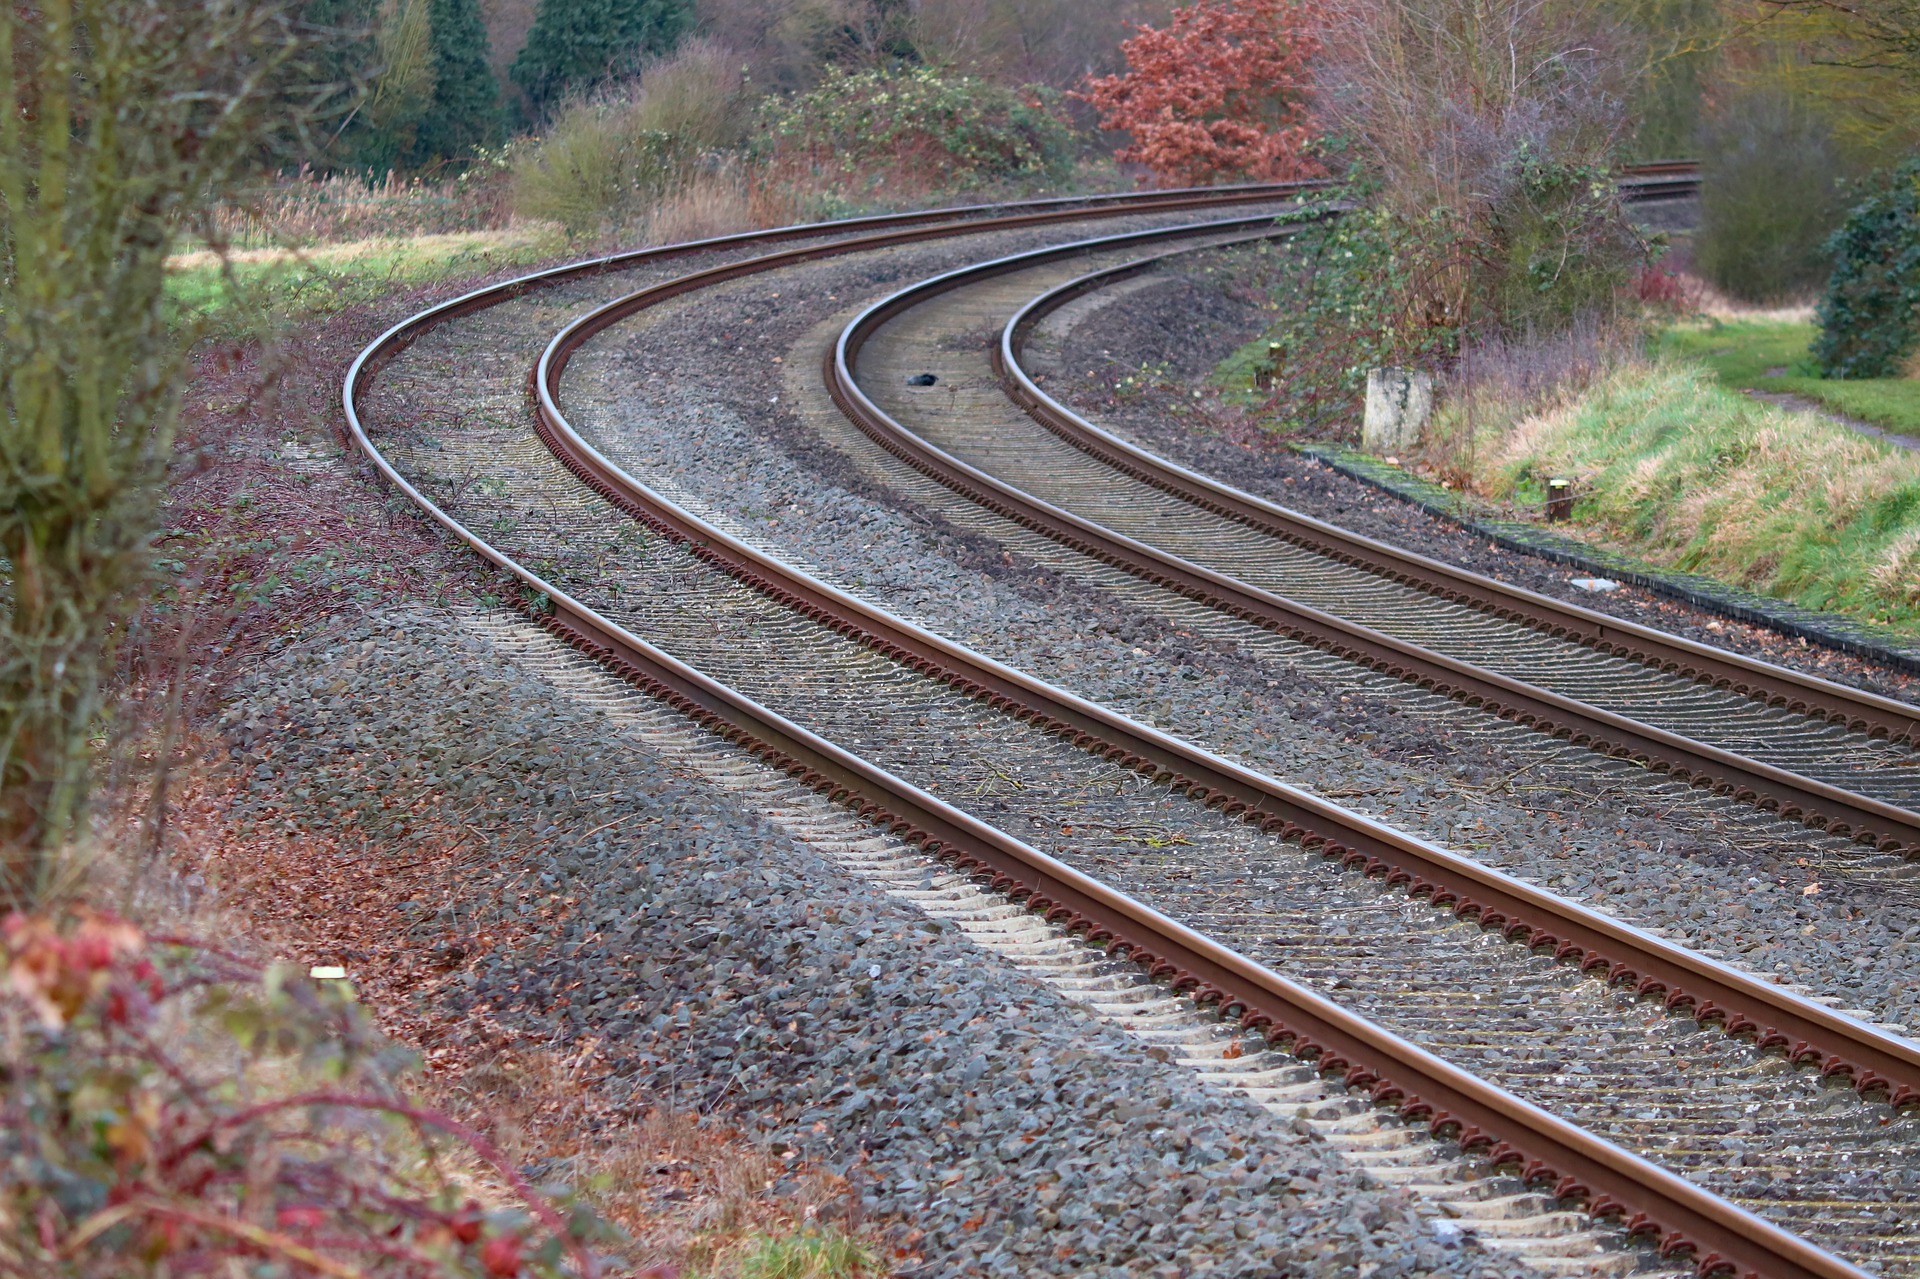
point(605, 896)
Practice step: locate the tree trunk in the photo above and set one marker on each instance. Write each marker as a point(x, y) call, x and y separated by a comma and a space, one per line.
point(44, 697)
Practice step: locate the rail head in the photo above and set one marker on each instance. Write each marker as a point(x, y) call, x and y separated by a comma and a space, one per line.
point(1876, 1061)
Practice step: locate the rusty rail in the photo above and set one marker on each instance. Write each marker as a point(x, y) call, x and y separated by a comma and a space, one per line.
point(1817, 803)
point(1721, 1236)
point(1395, 1072)
point(1774, 685)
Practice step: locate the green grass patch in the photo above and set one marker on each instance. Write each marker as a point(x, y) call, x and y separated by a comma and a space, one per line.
point(1678, 470)
point(1237, 376)
point(297, 284)
point(1772, 355)
point(804, 1254)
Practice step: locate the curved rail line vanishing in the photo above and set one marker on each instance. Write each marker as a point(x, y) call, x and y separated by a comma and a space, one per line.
point(1721, 1235)
point(1819, 803)
point(1218, 781)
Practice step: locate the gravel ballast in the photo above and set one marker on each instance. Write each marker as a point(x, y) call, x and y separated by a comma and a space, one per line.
point(1213, 683)
point(1590, 828)
point(725, 966)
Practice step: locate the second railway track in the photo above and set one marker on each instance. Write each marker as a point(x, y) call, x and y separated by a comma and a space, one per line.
point(1836, 757)
point(910, 714)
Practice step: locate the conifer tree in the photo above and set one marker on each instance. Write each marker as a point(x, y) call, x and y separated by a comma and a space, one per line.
point(430, 94)
point(576, 45)
point(344, 34)
point(465, 113)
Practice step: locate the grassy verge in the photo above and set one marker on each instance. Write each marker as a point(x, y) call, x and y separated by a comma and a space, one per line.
point(299, 284)
point(1678, 470)
point(1771, 355)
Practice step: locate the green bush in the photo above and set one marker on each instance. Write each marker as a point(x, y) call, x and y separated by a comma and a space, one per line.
point(609, 159)
point(1558, 248)
point(1770, 194)
point(1544, 251)
point(1870, 314)
point(595, 169)
point(935, 131)
point(1366, 290)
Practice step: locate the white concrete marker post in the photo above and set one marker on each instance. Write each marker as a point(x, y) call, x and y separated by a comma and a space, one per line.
point(1398, 403)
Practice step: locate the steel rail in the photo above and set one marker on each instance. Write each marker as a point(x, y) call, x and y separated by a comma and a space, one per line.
point(1720, 1235)
point(1777, 1018)
point(1817, 803)
point(1763, 681)
point(1713, 991)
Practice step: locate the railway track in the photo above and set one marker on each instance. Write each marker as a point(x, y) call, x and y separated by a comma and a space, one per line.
point(1837, 758)
point(788, 667)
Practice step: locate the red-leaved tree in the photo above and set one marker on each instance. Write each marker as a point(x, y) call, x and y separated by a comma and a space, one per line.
point(1220, 93)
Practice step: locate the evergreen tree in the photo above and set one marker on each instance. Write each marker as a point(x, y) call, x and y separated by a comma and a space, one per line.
point(428, 92)
point(577, 45)
point(342, 52)
point(465, 113)
point(403, 95)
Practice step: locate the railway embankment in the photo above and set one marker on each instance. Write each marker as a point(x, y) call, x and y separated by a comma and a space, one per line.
point(498, 853)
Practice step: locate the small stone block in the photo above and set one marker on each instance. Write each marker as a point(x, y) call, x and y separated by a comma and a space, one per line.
point(1398, 404)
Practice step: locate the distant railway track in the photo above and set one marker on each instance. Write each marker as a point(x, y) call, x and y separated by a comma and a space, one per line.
point(750, 648)
point(1836, 758)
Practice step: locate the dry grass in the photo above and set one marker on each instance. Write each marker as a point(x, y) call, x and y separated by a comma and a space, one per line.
point(692, 1196)
point(340, 253)
point(610, 160)
point(1497, 383)
point(710, 204)
point(1717, 305)
point(306, 208)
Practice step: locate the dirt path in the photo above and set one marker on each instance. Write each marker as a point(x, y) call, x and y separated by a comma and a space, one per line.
point(1802, 404)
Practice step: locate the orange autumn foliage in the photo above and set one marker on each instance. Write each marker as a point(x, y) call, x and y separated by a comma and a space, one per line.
point(1219, 93)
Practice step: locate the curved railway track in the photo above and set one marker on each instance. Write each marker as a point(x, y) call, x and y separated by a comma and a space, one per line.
point(794, 649)
point(1837, 758)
